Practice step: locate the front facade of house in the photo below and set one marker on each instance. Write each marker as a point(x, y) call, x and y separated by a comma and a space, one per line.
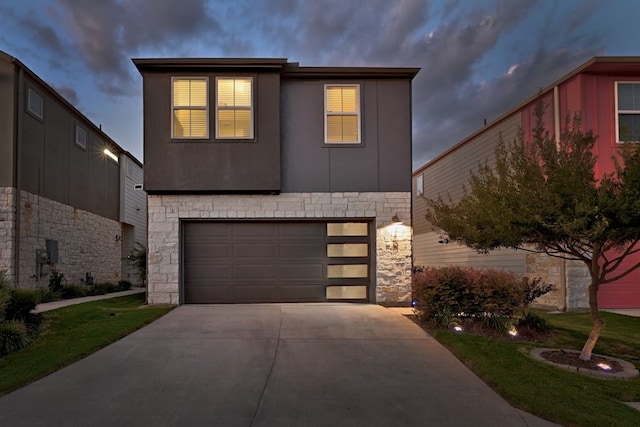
point(64, 204)
point(605, 92)
point(271, 182)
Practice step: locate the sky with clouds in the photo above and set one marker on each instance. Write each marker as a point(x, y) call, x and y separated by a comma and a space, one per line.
point(479, 58)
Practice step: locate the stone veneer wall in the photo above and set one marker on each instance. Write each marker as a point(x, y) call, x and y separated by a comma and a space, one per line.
point(393, 261)
point(7, 230)
point(86, 241)
point(551, 270)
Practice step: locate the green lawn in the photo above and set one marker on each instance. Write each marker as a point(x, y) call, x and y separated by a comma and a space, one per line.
point(558, 395)
point(71, 333)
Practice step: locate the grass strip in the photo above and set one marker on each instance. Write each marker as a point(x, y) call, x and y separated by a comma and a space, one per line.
point(555, 394)
point(70, 333)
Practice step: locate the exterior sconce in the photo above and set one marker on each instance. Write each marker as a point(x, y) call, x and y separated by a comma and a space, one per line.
point(109, 154)
point(118, 237)
point(395, 220)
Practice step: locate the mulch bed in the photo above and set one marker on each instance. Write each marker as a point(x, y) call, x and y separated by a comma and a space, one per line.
point(573, 359)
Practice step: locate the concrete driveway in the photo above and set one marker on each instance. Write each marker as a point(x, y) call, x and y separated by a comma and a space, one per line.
point(267, 365)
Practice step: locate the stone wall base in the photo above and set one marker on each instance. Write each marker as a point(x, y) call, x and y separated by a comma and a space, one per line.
point(393, 242)
point(87, 243)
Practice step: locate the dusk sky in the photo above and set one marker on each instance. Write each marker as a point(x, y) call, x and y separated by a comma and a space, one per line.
point(479, 58)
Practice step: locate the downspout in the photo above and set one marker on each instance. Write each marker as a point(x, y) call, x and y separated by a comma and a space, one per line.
point(556, 130)
point(19, 108)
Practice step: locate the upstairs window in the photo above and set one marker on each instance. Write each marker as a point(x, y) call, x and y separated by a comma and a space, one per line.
point(35, 104)
point(628, 111)
point(81, 137)
point(342, 114)
point(234, 108)
point(190, 107)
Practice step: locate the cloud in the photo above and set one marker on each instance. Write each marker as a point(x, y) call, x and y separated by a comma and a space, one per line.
point(107, 33)
point(68, 93)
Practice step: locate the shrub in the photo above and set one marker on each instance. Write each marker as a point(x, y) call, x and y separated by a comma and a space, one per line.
point(466, 292)
point(138, 261)
point(55, 281)
point(13, 337)
point(443, 295)
point(5, 293)
point(102, 288)
point(124, 285)
point(21, 302)
point(72, 291)
point(534, 322)
point(47, 296)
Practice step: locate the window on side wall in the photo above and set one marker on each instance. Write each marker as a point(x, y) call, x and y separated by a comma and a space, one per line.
point(628, 111)
point(234, 108)
point(419, 185)
point(35, 103)
point(190, 108)
point(81, 137)
point(342, 114)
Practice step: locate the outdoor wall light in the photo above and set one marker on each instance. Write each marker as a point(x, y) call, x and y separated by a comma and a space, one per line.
point(109, 154)
point(395, 220)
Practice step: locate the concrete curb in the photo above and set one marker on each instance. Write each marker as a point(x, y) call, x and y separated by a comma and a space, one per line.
point(629, 371)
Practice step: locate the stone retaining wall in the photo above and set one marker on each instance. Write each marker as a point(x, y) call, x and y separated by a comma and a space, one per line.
point(7, 230)
point(86, 242)
point(393, 243)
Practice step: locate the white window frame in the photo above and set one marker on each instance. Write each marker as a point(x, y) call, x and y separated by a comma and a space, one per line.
point(81, 137)
point(420, 185)
point(618, 112)
point(38, 113)
point(357, 113)
point(235, 108)
point(181, 107)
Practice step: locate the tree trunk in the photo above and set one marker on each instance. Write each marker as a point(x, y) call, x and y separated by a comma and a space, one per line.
point(598, 324)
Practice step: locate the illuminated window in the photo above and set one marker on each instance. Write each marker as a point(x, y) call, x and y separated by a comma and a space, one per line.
point(190, 108)
point(234, 108)
point(341, 114)
point(628, 111)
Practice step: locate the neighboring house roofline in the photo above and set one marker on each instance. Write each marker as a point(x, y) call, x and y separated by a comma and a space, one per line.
point(597, 64)
point(288, 69)
point(56, 94)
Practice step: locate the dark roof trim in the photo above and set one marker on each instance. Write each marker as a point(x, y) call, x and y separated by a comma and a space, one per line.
point(290, 70)
point(294, 72)
point(594, 64)
point(165, 64)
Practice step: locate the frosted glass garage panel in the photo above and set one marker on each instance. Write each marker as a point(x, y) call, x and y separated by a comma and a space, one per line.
point(347, 250)
point(347, 271)
point(346, 292)
point(347, 229)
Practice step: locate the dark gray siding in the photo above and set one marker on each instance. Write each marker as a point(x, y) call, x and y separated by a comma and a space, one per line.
point(53, 166)
point(7, 111)
point(382, 162)
point(211, 165)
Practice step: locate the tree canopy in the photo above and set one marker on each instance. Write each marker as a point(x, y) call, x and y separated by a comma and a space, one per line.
point(544, 196)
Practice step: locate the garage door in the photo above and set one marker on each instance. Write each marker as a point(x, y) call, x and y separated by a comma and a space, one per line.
point(244, 262)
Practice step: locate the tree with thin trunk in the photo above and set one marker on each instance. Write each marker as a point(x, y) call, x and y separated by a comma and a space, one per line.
point(543, 196)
